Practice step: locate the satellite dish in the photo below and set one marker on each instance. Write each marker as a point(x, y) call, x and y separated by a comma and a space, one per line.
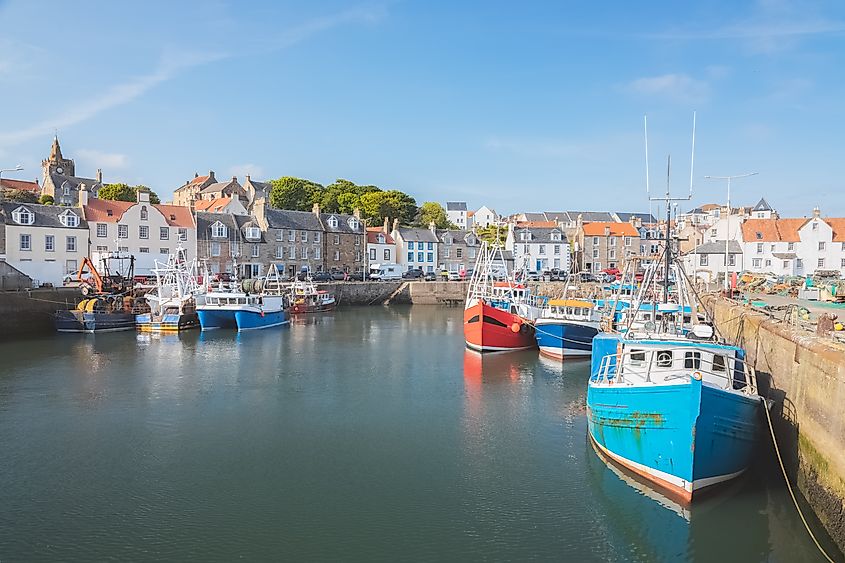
point(650, 326)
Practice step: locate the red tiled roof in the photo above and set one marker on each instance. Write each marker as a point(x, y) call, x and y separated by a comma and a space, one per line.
point(372, 236)
point(215, 205)
point(470, 213)
point(24, 185)
point(198, 180)
point(597, 229)
point(176, 215)
point(772, 230)
point(838, 226)
point(105, 210)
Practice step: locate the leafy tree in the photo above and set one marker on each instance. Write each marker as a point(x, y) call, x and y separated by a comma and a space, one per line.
point(492, 234)
point(433, 212)
point(117, 192)
point(47, 199)
point(294, 193)
point(347, 202)
point(392, 204)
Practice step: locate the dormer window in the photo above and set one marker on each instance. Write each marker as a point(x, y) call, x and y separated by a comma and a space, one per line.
point(759, 235)
point(172, 217)
point(66, 189)
point(144, 213)
point(253, 233)
point(555, 235)
point(109, 212)
point(332, 221)
point(381, 239)
point(69, 219)
point(353, 223)
point(23, 216)
point(219, 230)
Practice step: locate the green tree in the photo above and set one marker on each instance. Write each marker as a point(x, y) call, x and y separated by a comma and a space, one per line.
point(295, 193)
point(20, 196)
point(433, 212)
point(393, 204)
point(47, 199)
point(492, 234)
point(347, 202)
point(117, 192)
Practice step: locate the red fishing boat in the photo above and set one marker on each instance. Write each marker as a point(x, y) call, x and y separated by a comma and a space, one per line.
point(498, 315)
point(306, 298)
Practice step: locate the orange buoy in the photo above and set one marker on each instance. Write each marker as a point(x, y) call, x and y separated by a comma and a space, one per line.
point(515, 327)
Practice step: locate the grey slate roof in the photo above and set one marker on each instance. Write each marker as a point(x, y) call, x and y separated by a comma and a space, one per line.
point(417, 234)
point(535, 216)
point(342, 224)
point(459, 235)
point(206, 219)
point(45, 215)
point(456, 206)
point(626, 217)
point(73, 181)
point(287, 219)
point(717, 247)
point(762, 205)
point(539, 235)
point(218, 187)
point(556, 216)
point(592, 216)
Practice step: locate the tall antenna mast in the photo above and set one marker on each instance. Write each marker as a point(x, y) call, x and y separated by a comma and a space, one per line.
point(647, 187)
point(692, 156)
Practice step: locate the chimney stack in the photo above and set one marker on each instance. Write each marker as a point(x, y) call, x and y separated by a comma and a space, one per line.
point(316, 209)
point(143, 195)
point(83, 195)
point(99, 175)
point(432, 227)
point(817, 212)
point(606, 231)
point(385, 226)
point(395, 225)
point(356, 213)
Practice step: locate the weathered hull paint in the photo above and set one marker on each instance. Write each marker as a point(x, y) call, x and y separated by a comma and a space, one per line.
point(559, 338)
point(91, 322)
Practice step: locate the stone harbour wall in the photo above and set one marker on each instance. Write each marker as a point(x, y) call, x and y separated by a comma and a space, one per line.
point(33, 311)
point(805, 375)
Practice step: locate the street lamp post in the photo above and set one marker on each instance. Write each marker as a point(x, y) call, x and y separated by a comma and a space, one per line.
point(728, 225)
point(15, 169)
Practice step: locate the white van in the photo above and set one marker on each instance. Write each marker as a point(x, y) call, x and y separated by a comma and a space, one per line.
point(385, 272)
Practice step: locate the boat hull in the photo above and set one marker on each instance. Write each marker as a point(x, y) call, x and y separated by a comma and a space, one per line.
point(682, 438)
point(559, 338)
point(93, 322)
point(167, 323)
point(488, 329)
point(212, 319)
point(302, 308)
point(256, 320)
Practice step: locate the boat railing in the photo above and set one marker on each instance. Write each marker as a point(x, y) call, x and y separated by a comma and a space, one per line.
point(728, 373)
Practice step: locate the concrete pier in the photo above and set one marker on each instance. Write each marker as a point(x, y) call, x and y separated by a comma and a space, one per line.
point(805, 375)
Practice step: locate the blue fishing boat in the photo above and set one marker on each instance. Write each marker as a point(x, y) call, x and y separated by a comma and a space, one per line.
point(681, 411)
point(567, 328)
point(251, 305)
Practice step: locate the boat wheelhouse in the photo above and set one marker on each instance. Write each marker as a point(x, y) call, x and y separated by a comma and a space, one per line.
point(567, 328)
point(306, 298)
point(173, 300)
point(255, 304)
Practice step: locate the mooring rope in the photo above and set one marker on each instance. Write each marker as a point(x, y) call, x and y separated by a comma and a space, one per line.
point(789, 487)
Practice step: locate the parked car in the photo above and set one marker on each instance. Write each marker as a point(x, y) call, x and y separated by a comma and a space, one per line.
point(455, 276)
point(532, 276)
point(338, 275)
point(224, 277)
point(430, 276)
point(586, 277)
point(413, 274)
point(611, 271)
point(356, 276)
point(322, 277)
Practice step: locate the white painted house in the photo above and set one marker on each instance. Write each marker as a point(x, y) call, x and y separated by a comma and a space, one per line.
point(45, 242)
point(416, 248)
point(707, 261)
point(456, 212)
point(538, 248)
point(485, 217)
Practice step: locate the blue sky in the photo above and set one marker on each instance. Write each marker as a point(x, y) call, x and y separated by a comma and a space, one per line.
point(520, 106)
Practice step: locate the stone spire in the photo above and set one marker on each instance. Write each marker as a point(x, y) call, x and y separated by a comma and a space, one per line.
point(56, 150)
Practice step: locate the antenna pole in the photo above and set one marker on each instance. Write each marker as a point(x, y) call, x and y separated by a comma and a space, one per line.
point(692, 157)
point(668, 221)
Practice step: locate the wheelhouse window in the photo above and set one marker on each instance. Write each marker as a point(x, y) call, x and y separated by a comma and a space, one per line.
point(637, 358)
point(664, 358)
point(719, 363)
point(692, 360)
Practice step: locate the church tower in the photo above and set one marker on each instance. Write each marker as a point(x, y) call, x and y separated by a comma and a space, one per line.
point(56, 164)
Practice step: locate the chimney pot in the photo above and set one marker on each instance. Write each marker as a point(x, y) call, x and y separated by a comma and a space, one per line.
point(315, 209)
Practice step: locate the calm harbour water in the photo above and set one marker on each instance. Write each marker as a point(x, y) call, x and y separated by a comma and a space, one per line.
point(366, 434)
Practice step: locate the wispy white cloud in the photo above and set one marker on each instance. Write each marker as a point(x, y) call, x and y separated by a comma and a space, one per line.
point(101, 159)
point(253, 170)
point(680, 88)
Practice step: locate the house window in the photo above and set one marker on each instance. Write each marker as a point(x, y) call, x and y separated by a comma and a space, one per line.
point(102, 230)
point(280, 252)
point(799, 263)
point(759, 235)
point(65, 189)
point(759, 248)
point(557, 249)
point(280, 235)
point(525, 249)
point(372, 254)
point(815, 226)
point(144, 214)
point(26, 242)
point(305, 253)
point(387, 255)
point(317, 237)
point(337, 239)
point(336, 255)
point(431, 257)
point(731, 259)
point(757, 262)
point(253, 233)
point(70, 244)
point(595, 241)
point(234, 250)
point(471, 252)
point(410, 256)
point(123, 249)
point(164, 250)
point(358, 255)
point(219, 230)
point(353, 223)
point(123, 231)
point(821, 246)
point(542, 249)
point(164, 233)
point(69, 219)
point(459, 253)
point(420, 256)
point(664, 358)
point(597, 266)
point(303, 235)
point(595, 253)
point(49, 243)
point(255, 251)
point(842, 263)
point(70, 267)
point(431, 246)
point(332, 221)
point(692, 360)
point(447, 253)
point(410, 245)
point(102, 249)
point(144, 250)
point(144, 232)
point(291, 236)
point(785, 264)
point(611, 254)
point(768, 263)
point(292, 252)
point(612, 241)
point(627, 241)
point(358, 239)
point(23, 216)
point(702, 259)
point(316, 253)
point(821, 263)
point(790, 246)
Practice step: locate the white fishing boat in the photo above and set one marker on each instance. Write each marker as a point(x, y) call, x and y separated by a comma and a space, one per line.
point(173, 301)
